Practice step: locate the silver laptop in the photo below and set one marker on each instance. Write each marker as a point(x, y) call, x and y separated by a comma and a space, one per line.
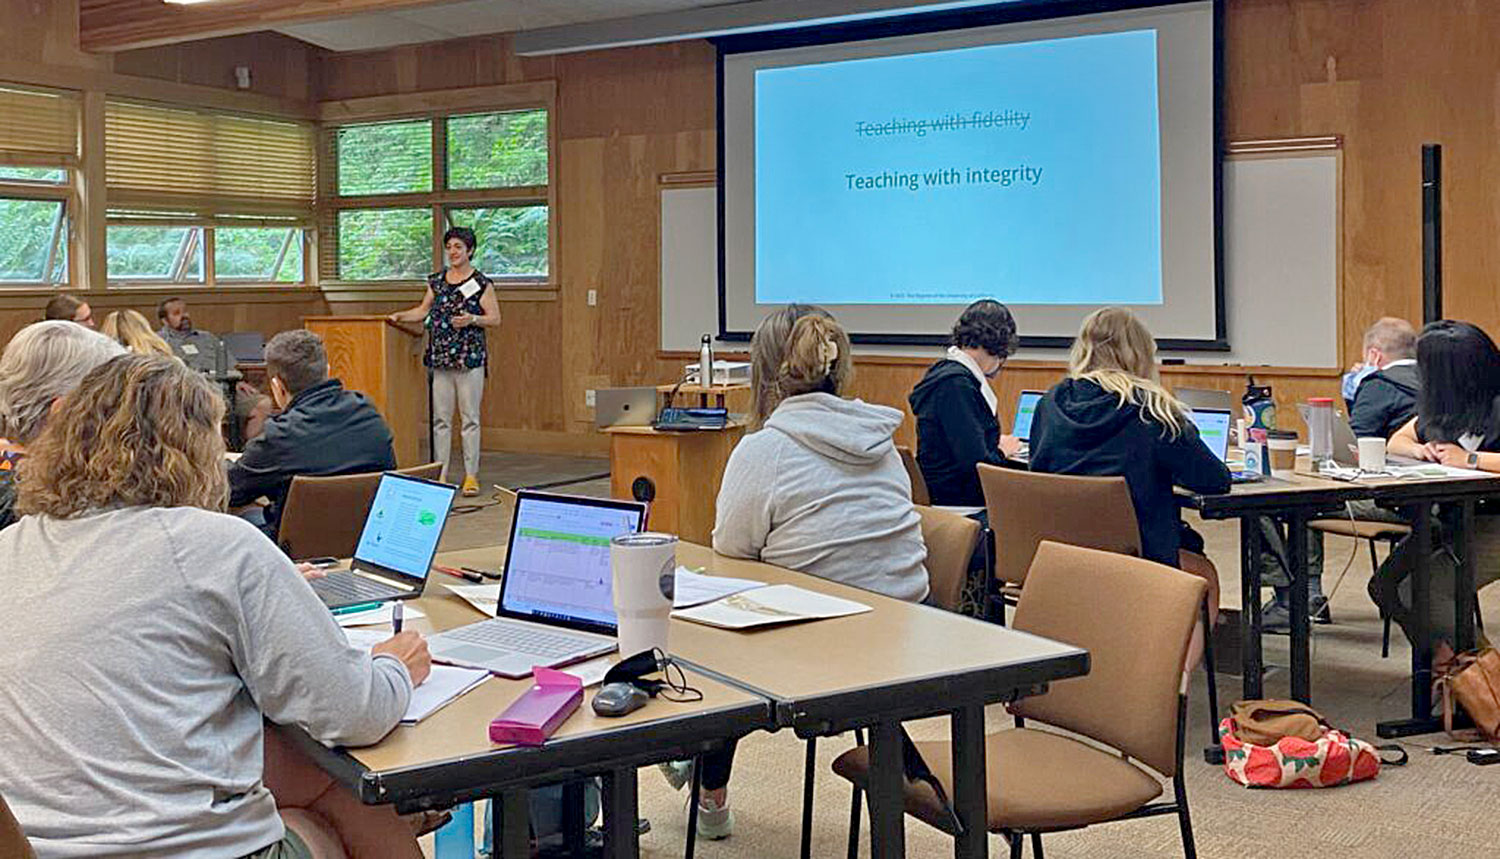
point(396, 547)
point(1213, 431)
point(556, 597)
point(624, 407)
point(1206, 398)
point(1346, 446)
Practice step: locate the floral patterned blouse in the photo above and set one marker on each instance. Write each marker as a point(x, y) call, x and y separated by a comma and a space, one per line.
point(450, 348)
point(10, 457)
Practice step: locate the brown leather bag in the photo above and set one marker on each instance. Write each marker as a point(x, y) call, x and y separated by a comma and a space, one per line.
point(1263, 721)
point(1473, 681)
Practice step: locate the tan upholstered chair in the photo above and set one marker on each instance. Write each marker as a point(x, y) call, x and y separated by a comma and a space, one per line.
point(1371, 531)
point(1028, 507)
point(1130, 704)
point(919, 494)
point(324, 515)
point(13, 843)
point(950, 540)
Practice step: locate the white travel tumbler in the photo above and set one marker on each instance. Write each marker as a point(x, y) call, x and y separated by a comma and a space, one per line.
point(644, 568)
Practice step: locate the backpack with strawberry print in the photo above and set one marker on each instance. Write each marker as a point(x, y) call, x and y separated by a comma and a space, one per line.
point(1287, 744)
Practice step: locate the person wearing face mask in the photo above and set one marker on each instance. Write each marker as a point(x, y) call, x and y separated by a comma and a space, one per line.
point(955, 407)
point(321, 430)
point(459, 305)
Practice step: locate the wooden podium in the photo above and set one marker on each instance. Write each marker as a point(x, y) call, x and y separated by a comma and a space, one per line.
point(685, 470)
point(383, 361)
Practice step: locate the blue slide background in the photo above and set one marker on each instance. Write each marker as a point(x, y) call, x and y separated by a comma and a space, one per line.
point(1088, 233)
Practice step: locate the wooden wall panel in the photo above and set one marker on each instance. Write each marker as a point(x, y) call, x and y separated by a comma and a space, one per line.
point(279, 65)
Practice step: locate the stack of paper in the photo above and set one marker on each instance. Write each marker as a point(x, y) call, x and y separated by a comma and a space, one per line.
point(695, 588)
point(770, 605)
point(443, 686)
point(486, 598)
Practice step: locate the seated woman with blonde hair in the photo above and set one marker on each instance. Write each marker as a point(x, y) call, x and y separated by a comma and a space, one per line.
point(160, 634)
point(1112, 417)
point(132, 331)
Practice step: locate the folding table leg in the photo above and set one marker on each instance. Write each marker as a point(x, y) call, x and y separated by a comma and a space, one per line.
point(970, 783)
point(621, 840)
point(887, 783)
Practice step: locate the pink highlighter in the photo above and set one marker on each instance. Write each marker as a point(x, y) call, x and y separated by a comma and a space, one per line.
point(532, 718)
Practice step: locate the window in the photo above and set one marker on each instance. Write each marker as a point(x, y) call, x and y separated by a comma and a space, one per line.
point(205, 197)
point(38, 158)
point(396, 179)
point(385, 158)
point(385, 244)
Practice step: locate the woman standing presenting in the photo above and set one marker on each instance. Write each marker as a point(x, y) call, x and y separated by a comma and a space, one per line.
point(460, 303)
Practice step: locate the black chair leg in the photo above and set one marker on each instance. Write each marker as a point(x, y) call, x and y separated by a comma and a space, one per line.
point(1015, 839)
point(1036, 845)
point(1211, 676)
point(807, 796)
point(855, 801)
point(1189, 847)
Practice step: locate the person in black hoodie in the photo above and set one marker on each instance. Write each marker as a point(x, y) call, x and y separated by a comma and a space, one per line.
point(955, 407)
point(322, 430)
point(1111, 416)
point(1387, 398)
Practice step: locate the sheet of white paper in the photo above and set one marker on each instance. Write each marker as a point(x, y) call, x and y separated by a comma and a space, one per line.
point(693, 588)
point(592, 671)
point(769, 605)
point(1431, 470)
point(444, 684)
point(375, 616)
point(486, 598)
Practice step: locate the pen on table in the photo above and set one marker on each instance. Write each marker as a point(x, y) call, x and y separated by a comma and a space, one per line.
point(396, 618)
point(459, 574)
point(356, 609)
point(489, 574)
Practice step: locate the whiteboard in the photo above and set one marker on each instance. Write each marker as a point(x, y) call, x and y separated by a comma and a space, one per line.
point(1281, 265)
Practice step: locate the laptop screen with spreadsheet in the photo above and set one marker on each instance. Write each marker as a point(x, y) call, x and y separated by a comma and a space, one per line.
point(1213, 428)
point(557, 568)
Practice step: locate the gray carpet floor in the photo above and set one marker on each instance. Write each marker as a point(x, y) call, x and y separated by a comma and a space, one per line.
point(1437, 806)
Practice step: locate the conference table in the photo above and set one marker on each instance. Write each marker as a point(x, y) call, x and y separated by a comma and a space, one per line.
point(1300, 499)
point(873, 670)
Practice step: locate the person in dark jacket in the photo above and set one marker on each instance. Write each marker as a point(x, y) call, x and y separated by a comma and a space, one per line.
point(1111, 416)
point(322, 429)
point(955, 407)
point(1387, 398)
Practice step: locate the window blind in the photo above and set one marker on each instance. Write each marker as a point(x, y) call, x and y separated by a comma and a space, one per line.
point(213, 164)
point(39, 123)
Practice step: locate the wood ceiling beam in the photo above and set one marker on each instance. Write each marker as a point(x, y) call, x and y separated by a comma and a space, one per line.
point(123, 25)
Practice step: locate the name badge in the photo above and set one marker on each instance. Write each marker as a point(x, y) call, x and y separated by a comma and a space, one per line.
point(189, 349)
point(469, 289)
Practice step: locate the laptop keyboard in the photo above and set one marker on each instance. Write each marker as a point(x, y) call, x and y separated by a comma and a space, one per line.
point(519, 639)
point(343, 585)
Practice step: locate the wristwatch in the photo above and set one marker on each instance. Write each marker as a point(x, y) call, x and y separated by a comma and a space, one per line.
point(1473, 459)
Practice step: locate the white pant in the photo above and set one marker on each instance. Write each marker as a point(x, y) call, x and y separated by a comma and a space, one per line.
point(465, 388)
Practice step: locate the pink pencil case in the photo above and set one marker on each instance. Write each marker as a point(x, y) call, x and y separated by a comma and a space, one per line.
point(532, 718)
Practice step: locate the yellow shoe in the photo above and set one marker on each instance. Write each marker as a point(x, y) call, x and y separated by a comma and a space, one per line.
point(471, 486)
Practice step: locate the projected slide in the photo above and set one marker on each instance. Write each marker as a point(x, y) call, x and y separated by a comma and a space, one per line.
point(1028, 172)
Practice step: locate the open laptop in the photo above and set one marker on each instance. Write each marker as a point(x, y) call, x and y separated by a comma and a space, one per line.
point(1346, 446)
point(1205, 398)
point(1025, 411)
point(396, 547)
point(556, 595)
point(245, 347)
point(1213, 429)
point(624, 407)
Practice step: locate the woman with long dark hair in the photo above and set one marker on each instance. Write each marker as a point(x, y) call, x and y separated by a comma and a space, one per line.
point(1458, 425)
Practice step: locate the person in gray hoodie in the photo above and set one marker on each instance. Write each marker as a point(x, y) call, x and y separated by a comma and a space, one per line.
point(817, 486)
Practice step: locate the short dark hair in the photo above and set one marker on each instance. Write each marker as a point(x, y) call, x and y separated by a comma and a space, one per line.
point(62, 306)
point(463, 234)
point(161, 308)
point(298, 359)
point(986, 324)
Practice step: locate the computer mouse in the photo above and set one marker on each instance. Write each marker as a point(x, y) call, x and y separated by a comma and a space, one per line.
point(617, 699)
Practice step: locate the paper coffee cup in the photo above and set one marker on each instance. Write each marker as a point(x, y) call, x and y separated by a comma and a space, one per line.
point(1282, 450)
point(1371, 454)
point(644, 572)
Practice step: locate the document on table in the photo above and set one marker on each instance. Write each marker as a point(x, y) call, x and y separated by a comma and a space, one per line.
point(375, 616)
point(486, 598)
point(770, 605)
point(443, 685)
point(695, 588)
